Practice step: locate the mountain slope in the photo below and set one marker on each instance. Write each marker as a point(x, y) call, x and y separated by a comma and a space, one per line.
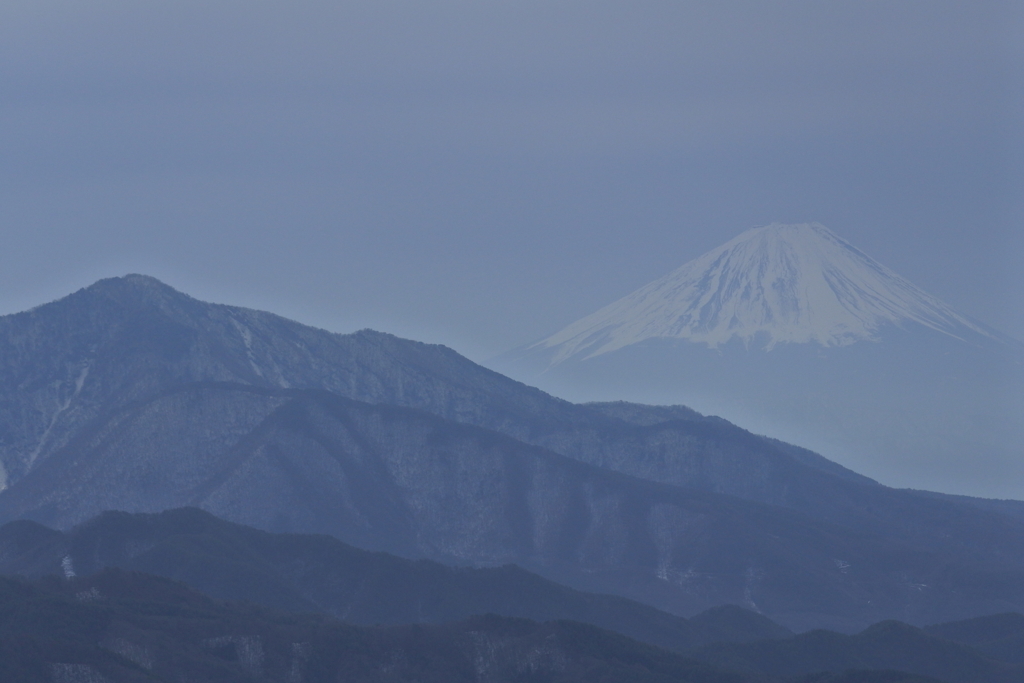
point(999, 636)
point(82, 359)
point(650, 416)
point(130, 627)
point(886, 645)
point(319, 573)
point(397, 479)
point(127, 627)
point(124, 339)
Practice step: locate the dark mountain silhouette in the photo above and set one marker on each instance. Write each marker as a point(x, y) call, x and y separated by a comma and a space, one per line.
point(119, 626)
point(862, 676)
point(128, 627)
point(319, 573)
point(886, 645)
point(999, 636)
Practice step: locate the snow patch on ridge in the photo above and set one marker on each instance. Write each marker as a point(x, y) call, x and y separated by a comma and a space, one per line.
point(246, 334)
point(62, 406)
point(781, 283)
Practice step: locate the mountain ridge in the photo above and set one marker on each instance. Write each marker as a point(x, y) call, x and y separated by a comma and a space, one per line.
point(133, 396)
point(142, 347)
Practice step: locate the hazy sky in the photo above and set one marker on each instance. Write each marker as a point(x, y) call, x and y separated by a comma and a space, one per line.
point(483, 173)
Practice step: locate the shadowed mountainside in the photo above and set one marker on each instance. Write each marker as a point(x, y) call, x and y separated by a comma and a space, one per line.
point(999, 636)
point(319, 573)
point(886, 645)
point(126, 627)
point(116, 626)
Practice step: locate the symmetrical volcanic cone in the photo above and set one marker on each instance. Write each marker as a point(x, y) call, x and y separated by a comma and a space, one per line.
point(778, 283)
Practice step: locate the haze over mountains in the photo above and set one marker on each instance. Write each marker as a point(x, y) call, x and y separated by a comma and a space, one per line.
point(792, 331)
point(129, 395)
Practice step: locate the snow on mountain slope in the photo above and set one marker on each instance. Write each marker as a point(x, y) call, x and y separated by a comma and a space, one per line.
point(777, 283)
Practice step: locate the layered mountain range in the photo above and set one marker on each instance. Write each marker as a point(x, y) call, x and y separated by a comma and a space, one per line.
point(129, 395)
point(317, 573)
point(90, 614)
point(127, 627)
point(790, 330)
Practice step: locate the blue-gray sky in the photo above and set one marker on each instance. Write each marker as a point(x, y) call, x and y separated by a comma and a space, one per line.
point(482, 173)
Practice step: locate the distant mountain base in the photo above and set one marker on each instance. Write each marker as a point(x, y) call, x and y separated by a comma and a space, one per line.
point(911, 410)
point(972, 651)
point(129, 627)
point(126, 627)
point(314, 573)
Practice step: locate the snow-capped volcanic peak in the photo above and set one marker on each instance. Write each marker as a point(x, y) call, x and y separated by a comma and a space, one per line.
point(778, 283)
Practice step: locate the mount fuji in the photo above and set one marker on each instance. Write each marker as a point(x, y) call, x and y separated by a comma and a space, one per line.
point(777, 283)
point(793, 331)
